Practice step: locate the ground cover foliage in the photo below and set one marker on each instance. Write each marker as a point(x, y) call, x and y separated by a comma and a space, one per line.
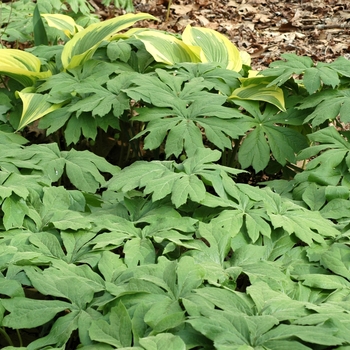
point(130, 217)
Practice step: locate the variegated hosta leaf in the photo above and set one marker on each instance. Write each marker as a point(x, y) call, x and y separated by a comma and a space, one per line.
point(64, 23)
point(214, 47)
point(35, 106)
point(83, 44)
point(166, 48)
point(21, 66)
point(256, 89)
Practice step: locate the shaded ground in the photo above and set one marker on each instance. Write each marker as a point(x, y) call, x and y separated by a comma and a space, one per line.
point(264, 28)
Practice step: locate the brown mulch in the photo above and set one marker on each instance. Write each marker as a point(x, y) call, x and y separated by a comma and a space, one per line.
point(264, 28)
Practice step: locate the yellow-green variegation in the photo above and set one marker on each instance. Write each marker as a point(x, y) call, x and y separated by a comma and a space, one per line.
point(214, 47)
point(257, 89)
point(21, 66)
point(35, 106)
point(84, 43)
point(166, 48)
point(64, 23)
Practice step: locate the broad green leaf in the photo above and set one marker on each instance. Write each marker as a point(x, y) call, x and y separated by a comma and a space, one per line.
point(83, 169)
point(31, 313)
point(314, 196)
point(187, 187)
point(117, 332)
point(69, 219)
point(164, 315)
point(163, 341)
point(14, 209)
point(166, 48)
point(325, 281)
point(336, 259)
point(11, 288)
point(212, 47)
point(21, 66)
point(314, 335)
point(188, 106)
point(248, 154)
point(84, 43)
point(76, 244)
point(65, 284)
point(227, 300)
point(8, 136)
point(35, 106)
point(139, 251)
point(60, 332)
point(223, 328)
point(336, 209)
point(48, 244)
point(295, 219)
point(63, 22)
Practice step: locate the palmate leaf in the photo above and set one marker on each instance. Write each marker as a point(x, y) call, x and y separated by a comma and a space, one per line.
point(267, 137)
point(305, 224)
point(180, 181)
point(184, 108)
point(283, 70)
point(327, 105)
point(331, 166)
point(118, 332)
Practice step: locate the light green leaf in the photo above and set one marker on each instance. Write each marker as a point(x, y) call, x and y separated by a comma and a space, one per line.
point(60, 332)
point(164, 315)
point(254, 150)
point(187, 187)
point(139, 251)
point(11, 288)
point(15, 209)
point(31, 313)
point(163, 341)
point(117, 332)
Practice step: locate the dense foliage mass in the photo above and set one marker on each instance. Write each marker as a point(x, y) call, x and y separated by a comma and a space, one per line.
point(130, 213)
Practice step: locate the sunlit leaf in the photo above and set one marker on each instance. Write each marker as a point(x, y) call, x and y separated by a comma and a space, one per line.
point(214, 47)
point(83, 44)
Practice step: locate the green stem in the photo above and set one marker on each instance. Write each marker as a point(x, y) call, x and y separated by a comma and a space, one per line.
point(168, 11)
point(6, 336)
point(19, 338)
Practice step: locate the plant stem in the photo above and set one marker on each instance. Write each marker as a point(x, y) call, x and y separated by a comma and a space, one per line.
point(168, 11)
point(19, 338)
point(6, 336)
